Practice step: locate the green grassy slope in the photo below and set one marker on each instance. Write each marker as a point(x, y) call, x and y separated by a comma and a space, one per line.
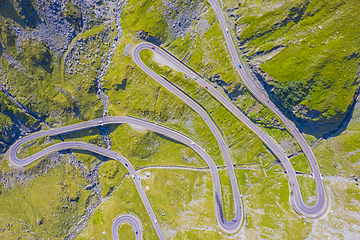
point(38, 78)
point(132, 92)
point(314, 43)
point(183, 203)
point(179, 197)
point(45, 206)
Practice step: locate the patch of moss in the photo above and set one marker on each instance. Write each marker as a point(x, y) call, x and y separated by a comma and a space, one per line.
point(36, 54)
point(8, 35)
point(178, 195)
point(300, 163)
point(292, 93)
point(227, 196)
point(111, 174)
point(135, 13)
point(73, 15)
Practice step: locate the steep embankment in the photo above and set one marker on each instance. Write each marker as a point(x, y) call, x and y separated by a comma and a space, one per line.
point(306, 53)
point(38, 84)
point(41, 87)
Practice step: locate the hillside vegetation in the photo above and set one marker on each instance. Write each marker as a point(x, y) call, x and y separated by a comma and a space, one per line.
point(311, 45)
point(70, 61)
point(35, 39)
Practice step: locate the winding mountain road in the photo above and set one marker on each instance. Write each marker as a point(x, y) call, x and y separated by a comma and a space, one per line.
point(91, 148)
point(320, 206)
point(132, 220)
point(308, 211)
point(113, 155)
point(257, 92)
point(233, 225)
point(227, 226)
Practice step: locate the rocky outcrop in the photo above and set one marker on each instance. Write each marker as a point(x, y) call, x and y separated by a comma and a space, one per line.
point(181, 15)
point(307, 120)
point(146, 37)
point(53, 24)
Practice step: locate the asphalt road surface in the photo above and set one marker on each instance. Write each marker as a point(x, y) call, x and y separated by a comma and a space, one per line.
point(227, 226)
point(308, 211)
point(321, 203)
point(127, 218)
point(113, 155)
point(233, 225)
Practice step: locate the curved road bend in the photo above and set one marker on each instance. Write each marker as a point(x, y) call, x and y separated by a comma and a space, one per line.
point(134, 221)
point(312, 211)
point(320, 205)
point(89, 147)
point(229, 226)
point(233, 225)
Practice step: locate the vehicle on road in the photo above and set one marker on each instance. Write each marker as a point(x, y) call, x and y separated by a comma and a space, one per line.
point(206, 87)
point(100, 122)
point(126, 165)
point(155, 221)
point(133, 176)
point(239, 65)
point(192, 143)
point(139, 178)
point(194, 77)
point(153, 48)
point(227, 30)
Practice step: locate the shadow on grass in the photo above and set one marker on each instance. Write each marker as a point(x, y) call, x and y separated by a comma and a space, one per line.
point(327, 130)
point(90, 132)
point(319, 129)
point(170, 139)
point(29, 16)
point(85, 152)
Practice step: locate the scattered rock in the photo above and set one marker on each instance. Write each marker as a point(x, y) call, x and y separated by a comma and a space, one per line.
point(203, 26)
point(127, 49)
